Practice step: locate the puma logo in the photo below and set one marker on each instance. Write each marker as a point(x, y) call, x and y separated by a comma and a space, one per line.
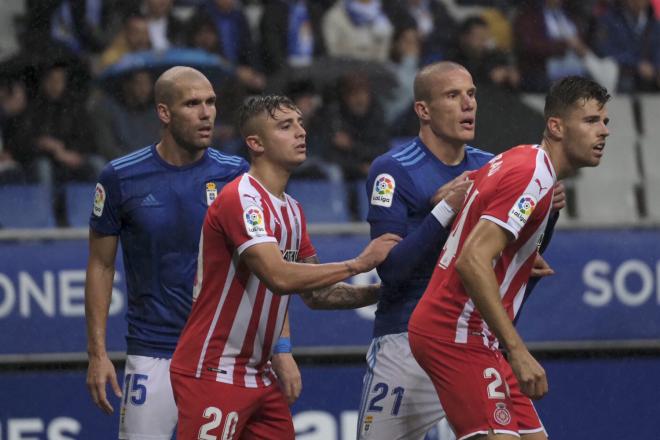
point(541, 187)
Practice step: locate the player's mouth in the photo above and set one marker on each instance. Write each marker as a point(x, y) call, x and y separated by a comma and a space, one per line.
point(301, 148)
point(467, 123)
point(205, 131)
point(599, 149)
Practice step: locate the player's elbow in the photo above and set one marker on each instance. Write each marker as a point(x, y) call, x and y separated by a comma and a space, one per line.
point(466, 264)
point(280, 283)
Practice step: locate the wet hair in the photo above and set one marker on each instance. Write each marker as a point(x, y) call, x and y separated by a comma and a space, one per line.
point(255, 106)
point(566, 92)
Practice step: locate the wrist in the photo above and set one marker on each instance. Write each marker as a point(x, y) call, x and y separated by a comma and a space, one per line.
point(352, 266)
point(443, 213)
point(283, 345)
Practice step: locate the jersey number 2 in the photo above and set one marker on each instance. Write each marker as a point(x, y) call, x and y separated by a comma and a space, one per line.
point(215, 414)
point(493, 393)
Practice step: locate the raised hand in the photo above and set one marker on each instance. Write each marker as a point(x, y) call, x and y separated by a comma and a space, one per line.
point(454, 191)
point(375, 253)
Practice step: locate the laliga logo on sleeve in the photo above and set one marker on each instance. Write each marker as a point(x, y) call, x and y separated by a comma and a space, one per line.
point(254, 221)
point(383, 191)
point(523, 209)
point(99, 200)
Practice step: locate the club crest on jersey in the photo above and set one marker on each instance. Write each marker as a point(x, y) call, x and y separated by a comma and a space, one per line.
point(99, 200)
point(522, 209)
point(254, 221)
point(368, 420)
point(290, 255)
point(502, 414)
point(211, 192)
point(383, 191)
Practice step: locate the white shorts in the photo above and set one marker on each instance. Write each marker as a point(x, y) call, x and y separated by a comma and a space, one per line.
point(399, 400)
point(148, 411)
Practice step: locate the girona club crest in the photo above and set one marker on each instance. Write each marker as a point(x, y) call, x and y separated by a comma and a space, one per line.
point(502, 414)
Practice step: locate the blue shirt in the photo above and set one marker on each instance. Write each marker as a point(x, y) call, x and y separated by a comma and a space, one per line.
point(400, 185)
point(157, 210)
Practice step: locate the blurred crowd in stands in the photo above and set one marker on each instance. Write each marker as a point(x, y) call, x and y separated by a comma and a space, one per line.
point(70, 101)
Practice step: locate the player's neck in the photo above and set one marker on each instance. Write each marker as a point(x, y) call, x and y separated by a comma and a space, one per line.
point(448, 152)
point(274, 179)
point(176, 155)
point(559, 162)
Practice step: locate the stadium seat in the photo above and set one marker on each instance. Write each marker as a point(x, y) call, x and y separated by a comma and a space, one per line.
point(650, 143)
point(606, 194)
point(79, 199)
point(322, 201)
point(363, 200)
point(26, 206)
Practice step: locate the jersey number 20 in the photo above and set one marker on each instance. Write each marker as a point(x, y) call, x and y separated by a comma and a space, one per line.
point(215, 414)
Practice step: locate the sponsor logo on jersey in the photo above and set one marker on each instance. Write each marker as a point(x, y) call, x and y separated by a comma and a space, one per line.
point(150, 200)
point(501, 414)
point(538, 182)
point(254, 221)
point(211, 192)
point(383, 191)
point(522, 209)
point(495, 165)
point(290, 255)
point(99, 200)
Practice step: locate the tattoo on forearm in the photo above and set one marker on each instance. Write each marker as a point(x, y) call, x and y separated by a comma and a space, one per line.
point(340, 295)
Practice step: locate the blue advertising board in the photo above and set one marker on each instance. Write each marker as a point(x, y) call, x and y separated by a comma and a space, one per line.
point(588, 399)
point(606, 287)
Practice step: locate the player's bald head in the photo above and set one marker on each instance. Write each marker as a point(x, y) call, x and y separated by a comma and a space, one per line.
point(169, 84)
point(426, 78)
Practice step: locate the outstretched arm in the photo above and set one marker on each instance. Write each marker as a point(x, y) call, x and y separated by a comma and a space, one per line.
point(283, 277)
point(339, 295)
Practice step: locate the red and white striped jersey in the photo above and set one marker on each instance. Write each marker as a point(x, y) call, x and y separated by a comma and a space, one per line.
point(235, 318)
point(514, 190)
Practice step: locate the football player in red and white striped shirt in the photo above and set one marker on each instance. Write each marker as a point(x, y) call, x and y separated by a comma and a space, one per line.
point(480, 278)
point(252, 239)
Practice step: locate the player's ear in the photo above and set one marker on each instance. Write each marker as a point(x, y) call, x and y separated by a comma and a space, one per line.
point(254, 143)
point(422, 110)
point(555, 127)
point(163, 113)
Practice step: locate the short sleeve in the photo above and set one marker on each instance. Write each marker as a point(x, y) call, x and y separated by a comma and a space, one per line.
point(389, 192)
point(306, 247)
point(244, 222)
point(105, 217)
point(515, 196)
